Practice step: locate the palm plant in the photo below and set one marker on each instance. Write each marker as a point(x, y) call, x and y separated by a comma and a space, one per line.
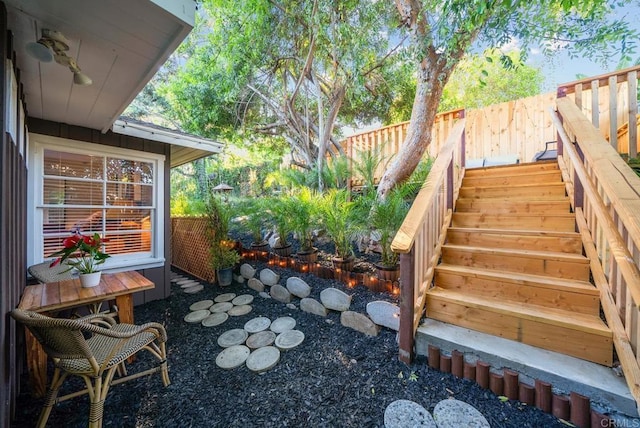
point(254, 219)
point(222, 254)
point(341, 221)
point(386, 217)
point(304, 217)
point(280, 214)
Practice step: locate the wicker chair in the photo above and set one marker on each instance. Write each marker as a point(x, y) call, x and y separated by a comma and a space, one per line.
point(44, 273)
point(93, 347)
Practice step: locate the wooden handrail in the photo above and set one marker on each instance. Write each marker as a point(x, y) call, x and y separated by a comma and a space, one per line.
point(602, 79)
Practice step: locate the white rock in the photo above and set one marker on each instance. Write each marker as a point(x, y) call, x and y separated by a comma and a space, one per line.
point(247, 271)
point(269, 277)
point(454, 413)
point(334, 299)
point(264, 295)
point(405, 413)
point(313, 307)
point(298, 287)
point(238, 278)
point(255, 284)
point(279, 293)
point(385, 314)
point(359, 322)
point(292, 306)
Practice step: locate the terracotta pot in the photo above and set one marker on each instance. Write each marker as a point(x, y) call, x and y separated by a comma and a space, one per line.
point(283, 251)
point(90, 279)
point(388, 273)
point(345, 264)
point(308, 256)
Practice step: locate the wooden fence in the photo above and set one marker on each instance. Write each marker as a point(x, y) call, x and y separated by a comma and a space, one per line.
point(606, 198)
point(421, 236)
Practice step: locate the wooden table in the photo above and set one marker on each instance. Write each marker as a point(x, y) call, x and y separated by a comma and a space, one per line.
point(57, 296)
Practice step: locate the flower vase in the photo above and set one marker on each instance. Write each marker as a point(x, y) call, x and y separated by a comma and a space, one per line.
point(90, 279)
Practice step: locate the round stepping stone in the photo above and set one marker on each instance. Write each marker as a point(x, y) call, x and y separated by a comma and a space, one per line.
point(243, 299)
point(263, 359)
point(221, 307)
point(178, 278)
point(236, 336)
point(196, 316)
point(405, 413)
point(237, 311)
point(194, 289)
point(191, 283)
point(202, 304)
point(232, 357)
point(289, 339)
point(455, 413)
point(261, 339)
point(186, 280)
point(257, 324)
point(226, 297)
point(283, 324)
point(215, 319)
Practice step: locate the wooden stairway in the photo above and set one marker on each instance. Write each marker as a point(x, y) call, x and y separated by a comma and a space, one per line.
point(512, 265)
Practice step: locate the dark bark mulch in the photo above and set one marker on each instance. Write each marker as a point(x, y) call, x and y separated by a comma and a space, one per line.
point(336, 378)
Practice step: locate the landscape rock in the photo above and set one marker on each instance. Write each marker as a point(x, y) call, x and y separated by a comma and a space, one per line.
point(334, 299)
point(264, 295)
point(269, 277)
point(313, 307)
point(292, 306)
point(279, 293)
point(406, 413)
point(455, 413)
point(238, 278)
point(298, 287)
point(359, 322)
point(255, 284)
point(247, 271)
point(385, 314)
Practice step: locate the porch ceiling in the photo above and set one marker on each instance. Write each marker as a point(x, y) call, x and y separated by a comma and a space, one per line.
point(120, 44)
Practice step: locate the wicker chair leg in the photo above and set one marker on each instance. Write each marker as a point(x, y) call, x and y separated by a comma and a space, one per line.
point(50, 399)
point(164, 371)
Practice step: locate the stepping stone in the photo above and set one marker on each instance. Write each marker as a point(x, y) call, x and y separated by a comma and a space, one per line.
point(359, 322)
point(385, 314)
point(279, 293)
point(261, 339)
point(194, 289)
point(298, 287)
point(269, 277)
point(263, 359)
point(247, 271)
point(215, 319)
point(189, 283)
point(255, 284)
point(226, 297)
point(221, 307)
point(185, 281)
point(405, 413)
point(237, 311)
point(232, 357)
point(243, 299)
point(455, 413)
point(257, 324)
point(202, 304)
point(289, 339)
point(283, 324)
point(313, 307)
point(332, 298)
point(236, 336)
point(196, 316)
point(177, 278)
point(264, 295)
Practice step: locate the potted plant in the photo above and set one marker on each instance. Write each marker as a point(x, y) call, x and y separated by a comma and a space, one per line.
point(303, 214)
point(280, 209)
point(222, 253)
point(340, 220)
point(386, 218)
point(83, 253)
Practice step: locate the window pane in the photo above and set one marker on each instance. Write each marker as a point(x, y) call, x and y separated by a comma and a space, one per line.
point(128, 194)
point(73, 165)
point(129, 233)
point(129, 171)
point(72, 192)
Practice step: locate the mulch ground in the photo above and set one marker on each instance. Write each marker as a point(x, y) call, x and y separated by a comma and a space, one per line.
point(337, 377)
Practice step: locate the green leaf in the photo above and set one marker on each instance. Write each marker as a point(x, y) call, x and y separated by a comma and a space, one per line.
point(502, 398)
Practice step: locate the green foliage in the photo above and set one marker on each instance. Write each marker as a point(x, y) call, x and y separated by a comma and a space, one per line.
point(219, 214)
point(341, 219)
point(304, 215)
point(280, 216)
point(253, 217)
point(386, 218)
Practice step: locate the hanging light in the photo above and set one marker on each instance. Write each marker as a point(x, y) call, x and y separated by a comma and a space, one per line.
point(53, 45)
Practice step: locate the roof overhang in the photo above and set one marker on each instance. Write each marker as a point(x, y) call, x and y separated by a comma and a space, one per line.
point(184, 148)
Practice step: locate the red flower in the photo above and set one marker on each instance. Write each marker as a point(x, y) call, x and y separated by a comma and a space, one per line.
point(84, 252)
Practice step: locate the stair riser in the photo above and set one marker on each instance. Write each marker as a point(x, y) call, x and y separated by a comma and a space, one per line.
point(529, 294)
point(512, 169)
point(515, 241)
point(514, 192)
point(512, 207)
point(580, 344)
point(513, 180)
point(518, 222)
point(515, 262)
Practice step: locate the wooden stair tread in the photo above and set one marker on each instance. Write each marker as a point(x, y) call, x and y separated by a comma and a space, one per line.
point(548, 255)
point(546, 233)
point(508, 178)
point(509, 205)
point(542, 281)
point(556, 317)
point(534, 186)
point(519, 168)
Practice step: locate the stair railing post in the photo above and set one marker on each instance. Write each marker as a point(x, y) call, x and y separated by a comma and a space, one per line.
point(561, 93)
point(578, 188)
point(463, 143)
point(407, 306)
point(450, 184)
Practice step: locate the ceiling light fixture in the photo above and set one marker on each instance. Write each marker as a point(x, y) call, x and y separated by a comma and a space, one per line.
point(53, 45)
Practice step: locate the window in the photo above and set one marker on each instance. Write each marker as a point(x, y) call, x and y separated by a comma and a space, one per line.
point(90, 188)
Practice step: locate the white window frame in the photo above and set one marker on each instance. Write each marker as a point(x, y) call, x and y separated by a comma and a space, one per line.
point(35, 198)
